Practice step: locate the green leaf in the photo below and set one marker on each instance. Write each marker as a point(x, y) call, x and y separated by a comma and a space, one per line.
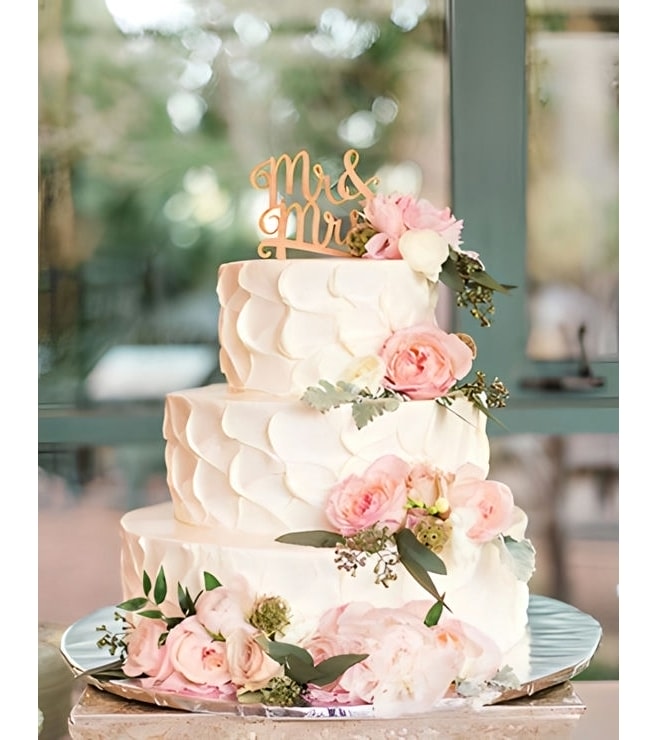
point(160, 590)
point(152, 614)
point(483, 278)
point(418, 559)
point(281, 651)
point(411, 549)
point(185, 601)
point(299, 670)
point(434, 614)
point(132, 605)
point(450, 276)
point(312, 538)
point(210, 582)
point(332, 668)
point(146, 583)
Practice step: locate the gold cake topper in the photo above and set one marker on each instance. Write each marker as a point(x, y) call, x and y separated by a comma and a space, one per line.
point(314, 227)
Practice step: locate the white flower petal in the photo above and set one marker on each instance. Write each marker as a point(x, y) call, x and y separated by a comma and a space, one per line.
point(425, 251)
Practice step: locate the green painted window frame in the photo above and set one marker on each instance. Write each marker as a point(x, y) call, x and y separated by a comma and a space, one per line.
point(487, 47)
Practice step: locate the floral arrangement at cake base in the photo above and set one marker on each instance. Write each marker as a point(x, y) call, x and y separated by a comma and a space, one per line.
point(227, 643)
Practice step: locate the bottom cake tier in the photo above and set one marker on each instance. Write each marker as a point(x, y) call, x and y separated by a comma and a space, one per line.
point(480, 587)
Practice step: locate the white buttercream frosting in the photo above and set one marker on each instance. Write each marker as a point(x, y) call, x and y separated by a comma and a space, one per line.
point(482, 592)
point(286, 324)
point(256, 463)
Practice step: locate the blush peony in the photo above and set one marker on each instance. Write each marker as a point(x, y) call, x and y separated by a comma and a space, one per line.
point(425, 362)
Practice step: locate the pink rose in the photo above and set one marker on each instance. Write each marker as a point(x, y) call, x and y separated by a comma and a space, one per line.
point(488, 504)
point(223, 609)
point(145, 655)
point(424, 362)
point(250, 666)
point(196, 655)
point(376, 497)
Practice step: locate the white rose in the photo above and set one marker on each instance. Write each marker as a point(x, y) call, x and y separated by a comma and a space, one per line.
point(425, 251)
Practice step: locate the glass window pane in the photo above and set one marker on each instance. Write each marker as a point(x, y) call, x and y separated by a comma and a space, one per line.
point(151, 119)
point(573, 187)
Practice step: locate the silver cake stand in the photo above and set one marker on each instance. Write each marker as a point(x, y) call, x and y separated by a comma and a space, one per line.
point(562, 642)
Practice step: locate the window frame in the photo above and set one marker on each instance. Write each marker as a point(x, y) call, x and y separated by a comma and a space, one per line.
point(488, 160)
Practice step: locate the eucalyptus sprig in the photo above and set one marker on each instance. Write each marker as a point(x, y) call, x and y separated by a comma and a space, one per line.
point(418, 559)
point(484, 396)
point(472, 284)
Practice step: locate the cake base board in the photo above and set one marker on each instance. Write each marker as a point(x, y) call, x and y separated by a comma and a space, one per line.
point(552, 713)
point(562, 642)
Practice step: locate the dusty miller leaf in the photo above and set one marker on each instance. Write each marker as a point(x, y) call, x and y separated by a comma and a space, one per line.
point(366, 409)
point(327, 396)
point(520, 556)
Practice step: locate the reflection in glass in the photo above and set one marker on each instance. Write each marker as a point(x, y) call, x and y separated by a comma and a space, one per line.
point(572, 197)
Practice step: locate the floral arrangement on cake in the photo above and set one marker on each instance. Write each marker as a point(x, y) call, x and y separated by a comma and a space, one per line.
point(226, 644)
point(414, 363)
point(396, 512)
point(400, 226)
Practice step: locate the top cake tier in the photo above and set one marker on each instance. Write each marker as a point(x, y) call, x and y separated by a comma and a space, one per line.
point(286, 324)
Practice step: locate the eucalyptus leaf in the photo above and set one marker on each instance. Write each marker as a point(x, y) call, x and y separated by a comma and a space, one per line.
point(450, 276)
point(133, 605)
point(421, 576)
point(312, 538)
point(411, 549)
point(160, 589)
point(483, 278)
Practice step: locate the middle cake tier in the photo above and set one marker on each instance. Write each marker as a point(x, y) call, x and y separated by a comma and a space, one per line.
point(256, 464)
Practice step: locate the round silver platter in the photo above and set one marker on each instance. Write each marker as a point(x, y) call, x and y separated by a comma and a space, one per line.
point(562, 642)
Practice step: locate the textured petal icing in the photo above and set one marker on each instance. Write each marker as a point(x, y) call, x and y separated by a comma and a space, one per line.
point(285, 324)
point(307, 577)
point(262, 464)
